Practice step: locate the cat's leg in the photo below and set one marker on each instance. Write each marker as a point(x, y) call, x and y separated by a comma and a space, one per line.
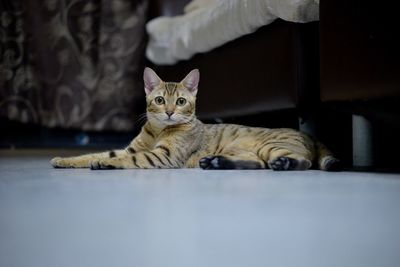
point(159, 158)
point(121, 162)
point(232, 159)
point(84, 161)
point(285, 159)
point(164, 154)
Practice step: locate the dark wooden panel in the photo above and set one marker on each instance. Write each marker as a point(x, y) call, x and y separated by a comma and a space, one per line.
point(167, 7)
point(360, 50)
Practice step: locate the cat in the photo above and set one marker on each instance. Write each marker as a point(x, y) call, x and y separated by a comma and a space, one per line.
point(173, 137)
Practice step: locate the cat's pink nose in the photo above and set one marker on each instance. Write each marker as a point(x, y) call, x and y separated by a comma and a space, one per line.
point(169, 113)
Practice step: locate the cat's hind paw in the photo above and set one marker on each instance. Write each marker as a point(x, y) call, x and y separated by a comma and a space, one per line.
point(331, 164)
point(282, 164)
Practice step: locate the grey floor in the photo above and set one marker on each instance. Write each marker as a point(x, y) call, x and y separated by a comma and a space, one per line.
point(173, 218)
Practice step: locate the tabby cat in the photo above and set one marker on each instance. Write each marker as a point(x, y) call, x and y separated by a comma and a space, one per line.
point(173, 138)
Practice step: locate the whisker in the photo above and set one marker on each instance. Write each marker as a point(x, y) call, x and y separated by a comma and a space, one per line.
point(141, 119)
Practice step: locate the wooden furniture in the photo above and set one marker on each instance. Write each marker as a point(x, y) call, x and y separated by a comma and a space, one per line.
point(274, 68)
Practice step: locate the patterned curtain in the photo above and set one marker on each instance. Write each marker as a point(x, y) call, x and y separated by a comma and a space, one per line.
point(72, 63)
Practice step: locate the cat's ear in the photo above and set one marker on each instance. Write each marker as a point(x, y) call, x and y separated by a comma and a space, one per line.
point(191, 81)
point(151, 80)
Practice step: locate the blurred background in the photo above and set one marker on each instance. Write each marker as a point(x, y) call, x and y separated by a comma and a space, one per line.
point(71, 71)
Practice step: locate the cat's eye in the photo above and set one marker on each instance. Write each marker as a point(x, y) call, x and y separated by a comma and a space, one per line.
point(181, 101)
point(159, 100)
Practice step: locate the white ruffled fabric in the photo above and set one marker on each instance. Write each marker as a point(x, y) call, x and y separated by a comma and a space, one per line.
point(208, 24)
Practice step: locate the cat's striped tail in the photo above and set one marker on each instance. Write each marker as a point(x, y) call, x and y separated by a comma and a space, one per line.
point(326, 159)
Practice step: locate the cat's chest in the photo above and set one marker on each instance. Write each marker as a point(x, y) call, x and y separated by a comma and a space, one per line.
point(189, 140)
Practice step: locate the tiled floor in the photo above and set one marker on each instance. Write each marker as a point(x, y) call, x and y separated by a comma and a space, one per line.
point(183, 218)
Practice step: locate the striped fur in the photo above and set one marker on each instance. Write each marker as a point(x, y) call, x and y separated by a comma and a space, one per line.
point(174, 138)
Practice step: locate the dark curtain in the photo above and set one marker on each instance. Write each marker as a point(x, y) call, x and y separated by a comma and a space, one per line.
point(72, 63)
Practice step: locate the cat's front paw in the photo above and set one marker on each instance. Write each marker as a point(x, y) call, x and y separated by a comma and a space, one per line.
point(58, 162)
point(213, 163)
point(101, 165)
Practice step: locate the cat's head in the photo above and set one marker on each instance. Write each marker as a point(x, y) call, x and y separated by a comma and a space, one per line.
point(170, 103)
